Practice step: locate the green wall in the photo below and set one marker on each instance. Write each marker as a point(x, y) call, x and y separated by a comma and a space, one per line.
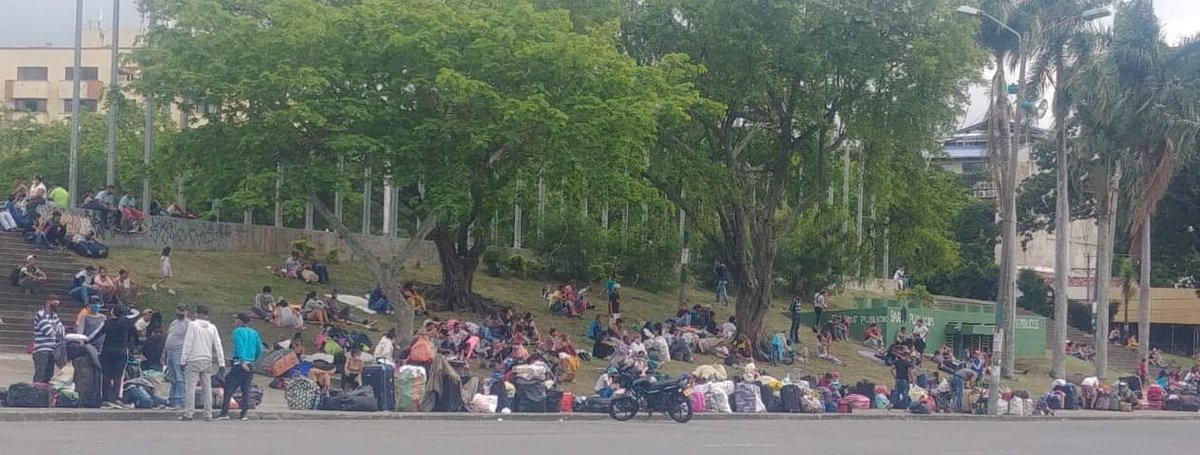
point(977, 319)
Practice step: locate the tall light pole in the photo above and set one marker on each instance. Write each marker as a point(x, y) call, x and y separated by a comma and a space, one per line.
point(73, 162)
point(113, 93)
point(1005, 307)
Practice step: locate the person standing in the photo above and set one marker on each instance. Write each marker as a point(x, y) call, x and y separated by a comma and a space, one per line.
point(610, 285)
point(794, 311)
point(820, 302)
point(202, 356)
point(114, 355)
point(48, 331)
point(722, 273)
point(247, 348)
point(172, 356)
point(919, 332)
point(902, 370)
point(167, 273)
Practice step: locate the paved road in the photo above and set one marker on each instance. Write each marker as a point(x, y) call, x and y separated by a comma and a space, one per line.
point(595, 438)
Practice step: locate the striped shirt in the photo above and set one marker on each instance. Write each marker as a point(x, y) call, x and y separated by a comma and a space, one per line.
point(47, 330)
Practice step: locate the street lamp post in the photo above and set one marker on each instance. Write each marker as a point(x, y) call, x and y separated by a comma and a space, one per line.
point(1005, 309)
point(73, 161)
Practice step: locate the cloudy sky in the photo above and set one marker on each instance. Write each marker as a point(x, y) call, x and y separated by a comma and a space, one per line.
point(37, 22)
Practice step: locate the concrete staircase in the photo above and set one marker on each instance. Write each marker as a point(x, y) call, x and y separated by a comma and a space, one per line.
point(18, 310)
point(1119, 358)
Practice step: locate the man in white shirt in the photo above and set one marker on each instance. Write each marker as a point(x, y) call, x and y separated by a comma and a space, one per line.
point(919, 332)
point(820, 302)
point(202, 356)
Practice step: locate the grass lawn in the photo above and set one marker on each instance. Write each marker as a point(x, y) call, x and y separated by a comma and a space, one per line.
point(227, 282)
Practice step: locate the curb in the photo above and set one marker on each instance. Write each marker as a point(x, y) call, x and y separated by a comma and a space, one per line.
point(57, 415)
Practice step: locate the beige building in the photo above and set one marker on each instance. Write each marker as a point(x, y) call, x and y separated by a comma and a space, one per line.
point(38, 79)
point(966, 152)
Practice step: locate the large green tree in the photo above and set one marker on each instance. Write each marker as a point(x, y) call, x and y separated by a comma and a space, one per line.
point(453, 100)
point(788, 84)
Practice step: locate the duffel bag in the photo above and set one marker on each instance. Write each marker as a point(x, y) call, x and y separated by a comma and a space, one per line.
point(29, 395)
point(302, 394)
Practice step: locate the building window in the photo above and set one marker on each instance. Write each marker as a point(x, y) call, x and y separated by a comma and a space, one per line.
point(84, 106)
point(31, 73)
point(31, 105)
point(86, 73)
point(974, 167)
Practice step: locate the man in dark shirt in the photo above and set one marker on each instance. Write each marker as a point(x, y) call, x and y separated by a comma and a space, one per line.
point(902, 370)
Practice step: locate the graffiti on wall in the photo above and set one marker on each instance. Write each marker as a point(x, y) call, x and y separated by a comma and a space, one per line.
point(159, 231)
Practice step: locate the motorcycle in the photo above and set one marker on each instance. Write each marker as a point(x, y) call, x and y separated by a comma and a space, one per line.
point(645, 395)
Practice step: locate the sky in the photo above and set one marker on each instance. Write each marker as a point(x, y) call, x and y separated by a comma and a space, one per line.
point(38, 22)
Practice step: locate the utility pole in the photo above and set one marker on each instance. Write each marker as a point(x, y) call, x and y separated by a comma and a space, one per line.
point(73, 162)
point(114, 91)
point(366, 211)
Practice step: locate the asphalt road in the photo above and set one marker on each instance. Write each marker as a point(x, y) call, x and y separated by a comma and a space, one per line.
point(595, 438)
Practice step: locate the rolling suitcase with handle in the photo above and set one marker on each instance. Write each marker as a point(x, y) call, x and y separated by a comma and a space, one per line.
point(382, 381)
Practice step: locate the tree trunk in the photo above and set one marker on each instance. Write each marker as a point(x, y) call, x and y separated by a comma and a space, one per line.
point(1104, 245)
point(1062, 252)
point(459, 260)
point(1144, 295)
point(384, 272)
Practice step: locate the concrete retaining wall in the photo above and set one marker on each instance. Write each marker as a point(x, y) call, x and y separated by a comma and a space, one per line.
point(199, 235)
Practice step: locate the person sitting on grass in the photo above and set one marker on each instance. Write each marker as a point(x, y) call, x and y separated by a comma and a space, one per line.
point(106, 286)
point(315, 310)
point(264, 305)
point(594, 330)
point(414, 299)
point(872, 337)
point(286, 316)
point(127, 290)
point(1132, 342)
point(378, 302)
point(291, 267)
point(823, 352)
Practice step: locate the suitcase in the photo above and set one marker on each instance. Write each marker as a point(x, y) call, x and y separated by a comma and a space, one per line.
point(770, 401)
point(1173, 404)
point(843, 406)
point(381, 379)
point(276, 363)
point(1135, 383)
point(789, 397)
point(1102, 401)
point(698, 404)
point(27, 395)
point(566, 404)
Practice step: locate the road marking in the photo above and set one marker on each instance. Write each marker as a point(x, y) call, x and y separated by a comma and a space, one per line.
point(738, 445)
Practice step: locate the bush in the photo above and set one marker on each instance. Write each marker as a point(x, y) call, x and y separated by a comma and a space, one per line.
point(308, 251)
point(571, 248)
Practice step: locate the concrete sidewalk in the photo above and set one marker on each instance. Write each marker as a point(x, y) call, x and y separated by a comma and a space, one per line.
point(51, 415)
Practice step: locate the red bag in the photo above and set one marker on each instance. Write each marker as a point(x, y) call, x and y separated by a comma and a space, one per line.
point(421, 352)
point(843, 406)
point(567, 403)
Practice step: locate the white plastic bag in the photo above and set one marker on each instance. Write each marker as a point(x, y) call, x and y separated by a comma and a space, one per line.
point(483, 404)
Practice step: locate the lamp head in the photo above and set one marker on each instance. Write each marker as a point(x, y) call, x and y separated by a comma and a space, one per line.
point(970, 11)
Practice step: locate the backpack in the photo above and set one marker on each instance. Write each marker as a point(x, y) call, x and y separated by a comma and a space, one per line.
point(14, 278)
point(421, 352)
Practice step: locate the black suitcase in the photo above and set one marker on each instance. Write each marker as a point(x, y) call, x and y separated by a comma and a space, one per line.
point(790, 399)
point(1135, 383)
point(1071, 401)
point(770, 401)
point(380, 378)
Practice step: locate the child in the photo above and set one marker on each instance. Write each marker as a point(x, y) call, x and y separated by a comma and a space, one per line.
point(166, 271)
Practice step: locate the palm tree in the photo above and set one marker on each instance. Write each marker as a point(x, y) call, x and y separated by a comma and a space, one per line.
point(1141, 105)
point(1060, 46)
point(1005, 50)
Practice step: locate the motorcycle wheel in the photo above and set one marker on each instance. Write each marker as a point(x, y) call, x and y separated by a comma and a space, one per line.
point(623, 409)
point(681, 409)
